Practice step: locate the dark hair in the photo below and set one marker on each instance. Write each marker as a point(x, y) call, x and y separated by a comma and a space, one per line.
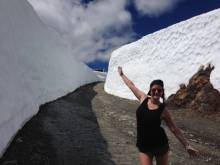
point(157, 82)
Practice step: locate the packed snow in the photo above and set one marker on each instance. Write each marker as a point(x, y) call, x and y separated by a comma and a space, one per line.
point(35, 67)
point(101, 75)
point(172, 54)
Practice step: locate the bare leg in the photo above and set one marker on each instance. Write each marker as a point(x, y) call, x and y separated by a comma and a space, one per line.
point(162, 160)
point(145, 159)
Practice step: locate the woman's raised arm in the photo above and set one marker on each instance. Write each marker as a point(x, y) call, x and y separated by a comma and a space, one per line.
point(138, 93)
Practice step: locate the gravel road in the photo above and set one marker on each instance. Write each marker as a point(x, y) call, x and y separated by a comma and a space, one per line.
point(91, 127)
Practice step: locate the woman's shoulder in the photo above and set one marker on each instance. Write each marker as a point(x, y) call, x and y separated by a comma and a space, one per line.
point(144, 99)
point(142, 103)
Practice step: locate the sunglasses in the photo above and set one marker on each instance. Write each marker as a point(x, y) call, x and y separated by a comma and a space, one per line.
point(156, 89)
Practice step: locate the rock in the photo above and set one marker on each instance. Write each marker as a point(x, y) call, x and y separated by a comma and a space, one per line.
point(191, 135)
point(19, 140)
point(131, 133)
point(199, 94)
point(208, 159)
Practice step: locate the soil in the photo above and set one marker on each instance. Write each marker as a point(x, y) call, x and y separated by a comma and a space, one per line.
point(91, 127)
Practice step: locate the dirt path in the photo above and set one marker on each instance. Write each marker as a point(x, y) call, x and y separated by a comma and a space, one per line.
point(90, 127)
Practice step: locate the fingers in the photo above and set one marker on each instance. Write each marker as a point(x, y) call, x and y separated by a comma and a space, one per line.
point(120, 70)
point(193, 153)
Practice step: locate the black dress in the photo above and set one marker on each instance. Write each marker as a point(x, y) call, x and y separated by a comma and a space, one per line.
point(151, 137)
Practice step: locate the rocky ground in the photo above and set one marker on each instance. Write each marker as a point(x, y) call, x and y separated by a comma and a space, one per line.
point(91, 127)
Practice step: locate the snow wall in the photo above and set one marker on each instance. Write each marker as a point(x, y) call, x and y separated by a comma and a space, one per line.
point(35, 67)
point(172, 54)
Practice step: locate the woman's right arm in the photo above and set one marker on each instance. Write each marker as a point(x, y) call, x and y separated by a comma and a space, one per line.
point(138, 93)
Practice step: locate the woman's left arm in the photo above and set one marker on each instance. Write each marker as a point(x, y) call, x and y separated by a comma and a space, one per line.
point(166, 116)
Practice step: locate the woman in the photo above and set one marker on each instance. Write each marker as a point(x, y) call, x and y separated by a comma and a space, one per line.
point(151, 137)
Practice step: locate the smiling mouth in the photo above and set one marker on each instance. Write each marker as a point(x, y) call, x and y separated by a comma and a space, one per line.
point(157, 95)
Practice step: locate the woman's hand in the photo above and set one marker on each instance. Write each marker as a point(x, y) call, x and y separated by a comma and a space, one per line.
point(192, 151)
point(120, 71)
point(138, 93)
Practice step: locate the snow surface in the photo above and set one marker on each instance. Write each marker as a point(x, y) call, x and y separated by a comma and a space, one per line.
point(35, 67)
point(172, 54)
point(101, 75)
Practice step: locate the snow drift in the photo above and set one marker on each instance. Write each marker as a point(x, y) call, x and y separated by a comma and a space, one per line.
point(35, 67)
point(172, 54)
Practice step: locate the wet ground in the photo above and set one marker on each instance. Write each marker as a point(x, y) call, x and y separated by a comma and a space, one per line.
point(91, 127)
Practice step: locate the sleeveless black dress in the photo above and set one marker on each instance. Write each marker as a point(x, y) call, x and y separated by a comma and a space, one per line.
point(151, 137)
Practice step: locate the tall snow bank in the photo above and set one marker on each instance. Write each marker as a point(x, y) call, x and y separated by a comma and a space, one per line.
point(35, 67)
point(173, 54)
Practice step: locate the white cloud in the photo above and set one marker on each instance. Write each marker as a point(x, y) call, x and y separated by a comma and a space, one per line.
point(155, 7)
point(93, 29)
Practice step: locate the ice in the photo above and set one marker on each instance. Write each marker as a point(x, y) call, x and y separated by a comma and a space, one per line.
point(172, 54)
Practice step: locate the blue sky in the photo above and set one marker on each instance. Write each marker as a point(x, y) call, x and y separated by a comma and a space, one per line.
point(95, 28)
point(144, 24)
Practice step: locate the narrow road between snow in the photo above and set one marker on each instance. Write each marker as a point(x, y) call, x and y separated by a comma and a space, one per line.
point(91, 127)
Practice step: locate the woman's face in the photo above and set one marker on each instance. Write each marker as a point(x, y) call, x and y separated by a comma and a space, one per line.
point(156, 91)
